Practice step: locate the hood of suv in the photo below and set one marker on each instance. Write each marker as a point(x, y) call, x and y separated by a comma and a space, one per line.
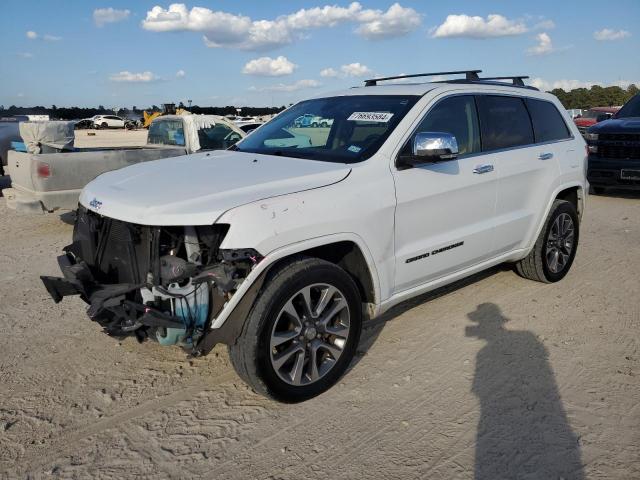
point(197, 189)
point(617, 125)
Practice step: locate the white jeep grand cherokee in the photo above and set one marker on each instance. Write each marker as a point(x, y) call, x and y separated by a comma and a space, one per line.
point(280, 252)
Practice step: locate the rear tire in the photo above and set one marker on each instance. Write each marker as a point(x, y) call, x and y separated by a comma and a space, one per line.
point(317, 343)
point(553, 254)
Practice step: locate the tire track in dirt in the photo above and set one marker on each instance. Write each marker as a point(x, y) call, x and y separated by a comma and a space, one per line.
point(65, 443)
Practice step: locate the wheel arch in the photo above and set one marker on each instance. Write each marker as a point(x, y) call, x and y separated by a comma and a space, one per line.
point(346, 250)
point(573, 192)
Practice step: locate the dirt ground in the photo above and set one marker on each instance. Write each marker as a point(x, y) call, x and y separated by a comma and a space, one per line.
point(494, 377)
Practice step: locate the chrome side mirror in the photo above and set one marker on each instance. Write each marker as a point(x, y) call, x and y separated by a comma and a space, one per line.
point(435, 146)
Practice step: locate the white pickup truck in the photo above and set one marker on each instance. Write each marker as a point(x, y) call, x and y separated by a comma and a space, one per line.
point(282, 250)
point(51, 174)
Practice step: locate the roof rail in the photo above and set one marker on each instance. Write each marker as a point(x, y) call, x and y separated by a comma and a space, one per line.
point(470, 75)
point(517, 80)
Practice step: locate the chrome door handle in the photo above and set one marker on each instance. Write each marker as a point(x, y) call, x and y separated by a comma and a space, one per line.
point(485, 168)
point(545, 156)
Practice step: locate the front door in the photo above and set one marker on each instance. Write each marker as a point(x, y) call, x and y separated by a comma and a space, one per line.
point(445, 211)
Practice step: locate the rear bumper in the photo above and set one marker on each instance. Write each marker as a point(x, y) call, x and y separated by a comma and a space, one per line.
point(30, 201)
point(22, 203)
point(603, 172)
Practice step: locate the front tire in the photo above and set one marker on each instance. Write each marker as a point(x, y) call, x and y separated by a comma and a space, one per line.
point(301, 333)
point(552, 255)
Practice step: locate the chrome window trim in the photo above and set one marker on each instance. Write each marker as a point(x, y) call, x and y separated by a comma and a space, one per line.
point(499, 150)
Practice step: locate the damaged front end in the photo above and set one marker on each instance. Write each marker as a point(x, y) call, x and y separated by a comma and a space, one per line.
point(161, 283)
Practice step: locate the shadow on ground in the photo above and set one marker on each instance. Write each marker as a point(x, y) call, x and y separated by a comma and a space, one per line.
point(523, 430)
point(5, 182)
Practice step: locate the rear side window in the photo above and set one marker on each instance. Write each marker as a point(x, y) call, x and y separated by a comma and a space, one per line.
point(548, 124)
point(504, 122)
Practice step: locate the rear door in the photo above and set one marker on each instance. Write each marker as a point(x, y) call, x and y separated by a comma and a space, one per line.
point(445, 210)
point(527, 170)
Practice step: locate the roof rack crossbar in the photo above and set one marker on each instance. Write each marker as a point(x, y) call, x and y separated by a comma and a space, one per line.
point(469, 75)
point(515, 79)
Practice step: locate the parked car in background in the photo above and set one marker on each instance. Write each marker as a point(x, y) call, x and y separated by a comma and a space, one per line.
point(614, 150)
point(44, 182)
point(574, 112)
point(314, 121)
point(593, 116)
point(108, 121)
point(280, 248)
point(9, 132)
point(85, 123)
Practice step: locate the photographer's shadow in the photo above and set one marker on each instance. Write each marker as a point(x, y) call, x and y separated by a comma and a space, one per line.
point(523, 432)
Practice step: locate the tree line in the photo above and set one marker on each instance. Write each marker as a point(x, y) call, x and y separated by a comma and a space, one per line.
point(596, 96)
point(75, 113)
point(584, 98)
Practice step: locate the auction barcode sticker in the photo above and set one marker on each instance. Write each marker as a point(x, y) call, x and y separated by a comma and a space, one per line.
point(382, 117)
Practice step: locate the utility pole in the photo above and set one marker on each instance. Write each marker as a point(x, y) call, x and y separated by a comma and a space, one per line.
point(189, 101)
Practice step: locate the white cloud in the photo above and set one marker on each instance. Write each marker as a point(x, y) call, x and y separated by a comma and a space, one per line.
point(545, 25)
point(610, 34)
point(130, 77)
point(544, 46)
point(269, 67)
point(222, 29)
point(328, 73)
point(355, 70)
point(290, 87)
point(395, 22)
point(20, 95)
point(477, 27)
point(25, 54)
point(31, 35)
point(568, 85)
point(181, 74)
point(102, 16)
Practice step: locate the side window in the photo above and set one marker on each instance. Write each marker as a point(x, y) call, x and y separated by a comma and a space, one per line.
point(504, 122)
point(548, 124)
point(218, 137)
point(454, 115)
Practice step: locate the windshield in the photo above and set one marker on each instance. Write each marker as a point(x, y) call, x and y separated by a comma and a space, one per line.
point(345, 129)
point(631, 108)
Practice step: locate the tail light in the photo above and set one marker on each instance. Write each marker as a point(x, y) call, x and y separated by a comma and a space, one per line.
point(43, 169)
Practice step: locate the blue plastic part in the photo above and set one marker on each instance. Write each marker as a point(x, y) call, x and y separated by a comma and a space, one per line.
point(173, 336)
point(19, 147)
point(195, 305)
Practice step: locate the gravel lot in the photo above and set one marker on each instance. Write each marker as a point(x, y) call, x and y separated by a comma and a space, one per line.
point(494, 377)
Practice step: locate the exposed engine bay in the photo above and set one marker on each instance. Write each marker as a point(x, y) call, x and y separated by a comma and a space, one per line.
point(161, 283)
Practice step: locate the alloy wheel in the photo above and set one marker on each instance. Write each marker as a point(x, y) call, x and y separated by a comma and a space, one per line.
point(560, 243)
point(309, 334)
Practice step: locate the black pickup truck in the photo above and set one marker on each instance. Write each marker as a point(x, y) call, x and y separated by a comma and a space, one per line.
point(614, 150)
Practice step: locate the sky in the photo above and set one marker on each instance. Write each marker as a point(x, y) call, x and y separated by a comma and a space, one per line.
point(121, 53)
